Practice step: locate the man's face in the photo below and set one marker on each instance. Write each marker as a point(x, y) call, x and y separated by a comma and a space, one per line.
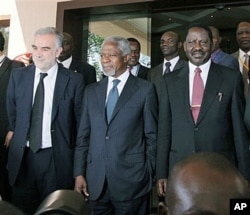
point(216, 39)
point(201, 190)
point(243, 36)
point(67, 46)
point(169, 45)
point(45, 51)
point(198, 46)
point(113, 63)
point(135, 54)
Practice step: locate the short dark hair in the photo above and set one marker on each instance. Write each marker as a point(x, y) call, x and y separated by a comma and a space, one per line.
point(2, 41)
point(132, 39)
point(199, 25)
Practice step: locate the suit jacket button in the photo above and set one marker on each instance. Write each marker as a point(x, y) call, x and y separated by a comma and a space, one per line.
point(196, 129)
point(107, 137)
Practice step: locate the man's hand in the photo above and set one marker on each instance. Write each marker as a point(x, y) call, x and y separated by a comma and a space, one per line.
point(81, 186)
point(8, 139)
point(161, 187)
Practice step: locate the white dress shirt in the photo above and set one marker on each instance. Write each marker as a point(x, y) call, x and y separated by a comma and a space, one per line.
point(173, 63)
point(123, 79)
point(204, 73)
point(49, 86)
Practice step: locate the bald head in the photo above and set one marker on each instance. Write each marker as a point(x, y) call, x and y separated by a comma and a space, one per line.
point(203, 184)
point(170, 44)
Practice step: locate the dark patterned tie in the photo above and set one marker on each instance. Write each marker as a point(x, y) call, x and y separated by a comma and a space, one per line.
point(35, 136)
point(167, 68)
point(112, 99)
point(198, 91)
point(245, 71)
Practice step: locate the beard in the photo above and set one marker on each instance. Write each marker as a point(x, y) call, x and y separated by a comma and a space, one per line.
point(110, 73)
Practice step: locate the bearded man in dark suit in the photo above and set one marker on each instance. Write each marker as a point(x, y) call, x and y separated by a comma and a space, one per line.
point(115, 152)
point(36, 170)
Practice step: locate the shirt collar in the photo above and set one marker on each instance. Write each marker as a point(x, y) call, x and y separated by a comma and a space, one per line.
point(123, 77)
point(66, 63)
point(51, 72)
point(204, 67)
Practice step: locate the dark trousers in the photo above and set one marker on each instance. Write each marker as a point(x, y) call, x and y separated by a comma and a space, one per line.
point(5, 188)
point(107, 205)
point(36, 180)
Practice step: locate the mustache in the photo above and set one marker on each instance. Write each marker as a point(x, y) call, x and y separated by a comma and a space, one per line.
point(198, 52)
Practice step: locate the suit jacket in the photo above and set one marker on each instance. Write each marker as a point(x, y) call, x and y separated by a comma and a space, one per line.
point(225, 59)
point(156, 77)
point(122, 152)
point(235, 54)
point(143, 72)
point(66, 111)
point(85, 69)
point(5, 70)
point(219, 128)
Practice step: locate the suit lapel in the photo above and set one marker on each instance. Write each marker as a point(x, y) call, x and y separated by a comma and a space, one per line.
point(183, 89)
point(4, 67)
point(128, 91)
point(101, 92)
point(214, 81)
point(60, 85)
point(28, 83)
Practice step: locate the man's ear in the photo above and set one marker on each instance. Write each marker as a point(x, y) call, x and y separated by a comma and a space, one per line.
point(162, 209)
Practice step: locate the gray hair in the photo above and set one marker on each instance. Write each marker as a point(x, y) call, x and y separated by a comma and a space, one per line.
point(52, 31)
point(123, 44)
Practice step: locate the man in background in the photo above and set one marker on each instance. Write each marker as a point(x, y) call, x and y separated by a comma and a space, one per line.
point(70, 62)
point(243, 40)
point(203, 183)
point(170, 45)
point(218, 56)
point(6, 65)
point(136, 68)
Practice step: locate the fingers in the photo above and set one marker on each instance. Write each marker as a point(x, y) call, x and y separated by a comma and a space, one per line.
point(81, 187)
point(8, 139)
point(161, 187)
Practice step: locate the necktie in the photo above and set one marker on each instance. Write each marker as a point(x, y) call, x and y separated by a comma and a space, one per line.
point(167, 68)
point(35, 136)
point(112, 99)
point(245, 71)
point(198, 90)
point(130, 69)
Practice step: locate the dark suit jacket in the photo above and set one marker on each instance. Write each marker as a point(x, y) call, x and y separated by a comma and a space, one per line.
point(143, 72)
point(123, 151)
point(85, 69)
point(66, 111)
point(235, 54)
point(156, 77)
point(5, 70)
point(225, 59)
point(219, 127)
